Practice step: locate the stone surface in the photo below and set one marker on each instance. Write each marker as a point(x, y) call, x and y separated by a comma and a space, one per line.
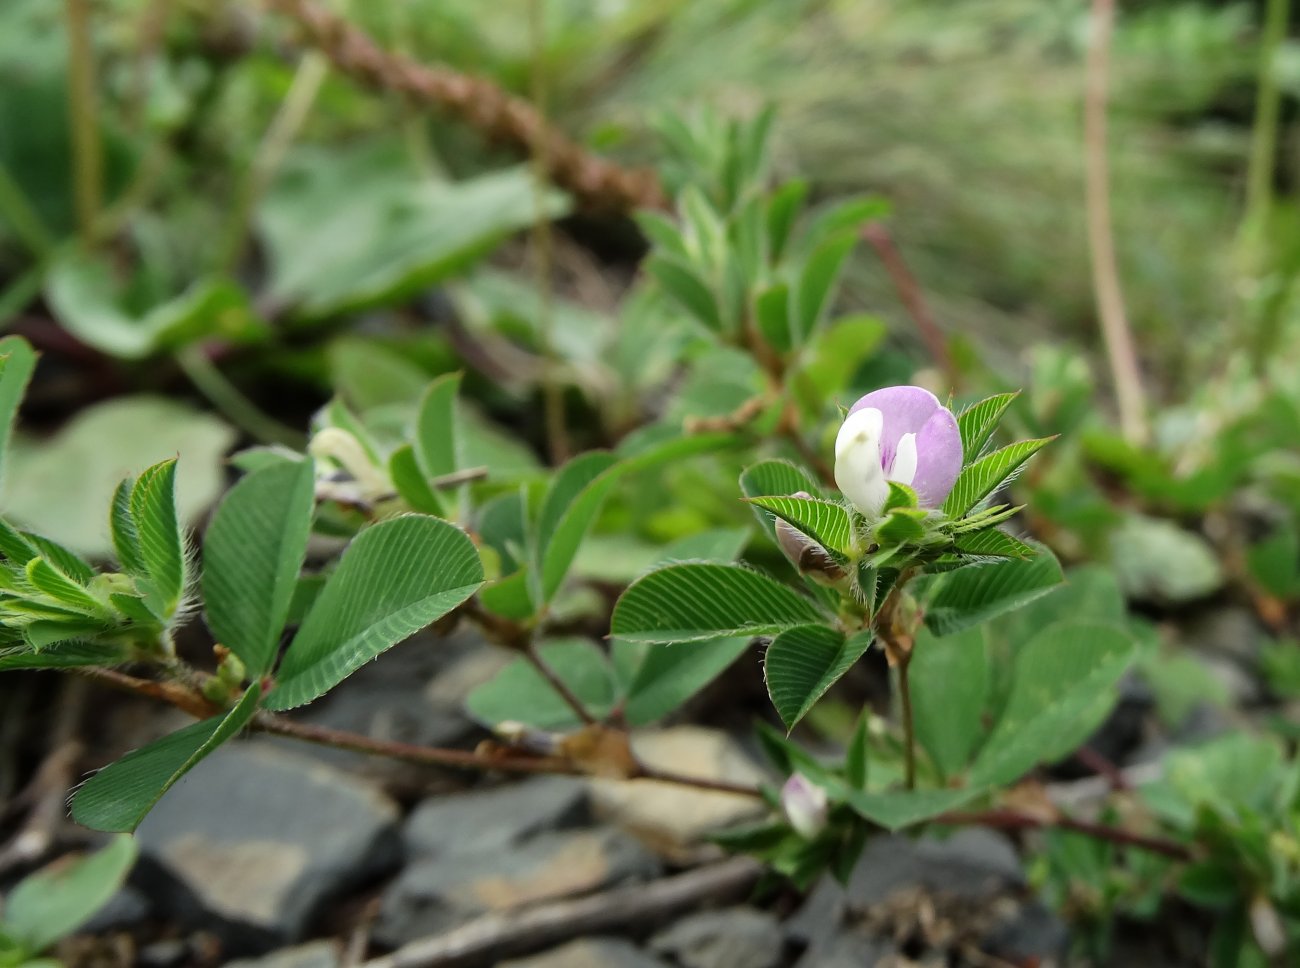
point(439, 892)
point(126, 908)
point(589, 953)
point(1229, 630)
point(671, 818)
point(735, 938)
point(494, 818)
point(1034, 933)
point(314, 954)
point(848, 950)
point(255, 840)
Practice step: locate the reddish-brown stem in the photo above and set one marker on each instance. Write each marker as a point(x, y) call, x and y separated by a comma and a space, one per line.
point(878, 236)
point(1103, 767)
point(512, 761)
point(559, 685)
point(595, 181)
point(1012, 820)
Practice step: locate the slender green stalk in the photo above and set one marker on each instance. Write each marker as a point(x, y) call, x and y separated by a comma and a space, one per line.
point(544, 247)
point(1260, 176)
point(1115, 331)
point(87, 152)
point(227, 398)
point(909, 730)
point(20, 291)
point(26, 222)
point(312, 70)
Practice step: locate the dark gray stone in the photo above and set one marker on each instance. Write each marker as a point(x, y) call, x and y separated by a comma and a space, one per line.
point(494, 818)
point(314, 954)
point(735, 938)
point(440, 891)
point(126, 908)
point(256, 840)
point(1231, 630)
point(1034, 936)
point(847, 950)
point(589, 953)
point(972, 863)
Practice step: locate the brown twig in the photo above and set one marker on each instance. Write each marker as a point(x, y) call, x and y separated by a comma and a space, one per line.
point(1013, 820)
point(1115, 330)
point(596, 182)
point(48, 789)
point(878, 236)
point(559, 685)
point(487, 939)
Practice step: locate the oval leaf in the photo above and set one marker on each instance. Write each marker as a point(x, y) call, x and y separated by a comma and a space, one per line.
point(802, 663)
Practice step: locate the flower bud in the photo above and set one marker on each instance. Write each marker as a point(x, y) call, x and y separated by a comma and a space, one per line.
point(807, 555)
point(805, 805)
point(337, 445)
point(901, 434)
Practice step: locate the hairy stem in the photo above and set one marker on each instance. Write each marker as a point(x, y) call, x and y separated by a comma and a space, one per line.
point(1116, 334)
point(596, 182)
point(87, 152)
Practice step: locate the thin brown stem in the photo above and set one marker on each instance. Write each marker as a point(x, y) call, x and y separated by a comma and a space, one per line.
point(1116, 334)
point(559, 685)
point(1013, 820)
point(878, 236)
point(701, 783)
point(87, 152)
point(596, 182)
point(909, 731)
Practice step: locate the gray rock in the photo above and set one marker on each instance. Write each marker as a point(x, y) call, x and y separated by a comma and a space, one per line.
point(847, 950)
point(124, 909)
point(971, 863)
point(1034, 936)
point(438, 892)
point(1231, 630)
point(589, 953)
point(736, 938)
point(494, 818)
point(314, 954)
point(255, 840)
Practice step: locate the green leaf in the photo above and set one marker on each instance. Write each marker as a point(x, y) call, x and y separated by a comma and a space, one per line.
point(347, 229)
point(1274, 563)
point(817, 281)
point(826, 522)
point(896, 809)
point(949, 679)
point(802, 663)
point(980, 479)
point(1058, 679)
point(856, 757)
point(394, 579)
point(687, 289)
point(571, 503)
point(992, 543)
point(72, 565)
point(17, 362)
point(64, 655)
point(692, 602)
point(901, 525)
point(662, 231)
point(126, 540)
point(119, 796)
point(62, 486)
point(519, 693)
point(774, 477)
point(44, 577)
point(978, 421)
point(51, 904)
point(1158, 560)
point(782, 210)
point(252, 553)
point(44, 633)
point(669, 675)
point(435, 427)
point(976, 593)
point(411, 484)
point(153, 508)
point(772, 313)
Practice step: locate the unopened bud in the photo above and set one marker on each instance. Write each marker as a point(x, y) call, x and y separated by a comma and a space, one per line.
point(341, 447)
point(805, 806)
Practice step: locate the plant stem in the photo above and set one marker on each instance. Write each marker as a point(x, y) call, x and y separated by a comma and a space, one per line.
point(87, 152)
point(280, 134)
point(909, 732)
point(544, 246)
point(878, 236)
point(598, 183)
point(1013, 820)
point(559, 685)
point(228, 399)
point(1116, 334)
point(191, 701)
point(22, 216)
